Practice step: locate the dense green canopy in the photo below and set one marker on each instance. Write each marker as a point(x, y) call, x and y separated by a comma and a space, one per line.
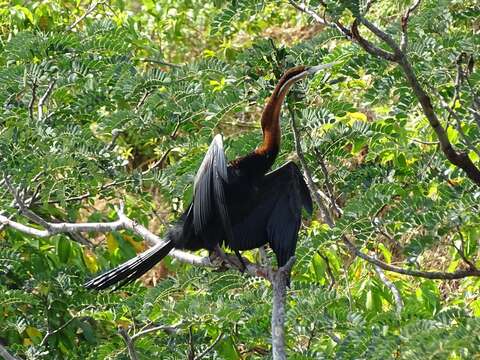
point(109, 101)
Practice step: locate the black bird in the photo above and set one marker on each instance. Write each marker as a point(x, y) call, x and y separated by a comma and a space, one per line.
point(236, 204)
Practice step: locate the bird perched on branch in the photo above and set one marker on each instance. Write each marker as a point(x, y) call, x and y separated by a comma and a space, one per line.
point(238, 204)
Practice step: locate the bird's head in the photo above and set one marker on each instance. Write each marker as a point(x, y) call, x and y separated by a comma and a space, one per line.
point(298, 73)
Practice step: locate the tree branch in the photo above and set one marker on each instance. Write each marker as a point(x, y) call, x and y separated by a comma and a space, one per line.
point(51, 333)
point(31, 103)
point(438, 275)
point(369, 47)
point(405, 18)
point(319, 19)
point(461, 250)
point(208, 349)
point(44, 98)
point(328, 184)
point(304, 8)
point(169, 329)
point(458, 159)
point(396, 294)
point(130, 345)
point(90, 9)
point(6, 355)
point(160, 62)
point(279, 280)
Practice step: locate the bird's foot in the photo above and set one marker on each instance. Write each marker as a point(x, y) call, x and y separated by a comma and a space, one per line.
point(230, 260)
point(216, 260)
point(243, 266)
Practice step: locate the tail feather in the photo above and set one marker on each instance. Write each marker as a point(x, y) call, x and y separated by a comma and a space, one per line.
point(131, 269)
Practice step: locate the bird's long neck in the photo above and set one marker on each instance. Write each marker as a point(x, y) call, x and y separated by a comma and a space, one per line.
point(271, 114)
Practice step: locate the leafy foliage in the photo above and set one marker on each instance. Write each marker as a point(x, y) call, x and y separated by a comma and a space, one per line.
point(123, 106)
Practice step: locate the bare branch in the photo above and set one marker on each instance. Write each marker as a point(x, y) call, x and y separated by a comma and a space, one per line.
point(88, 194)
point(23, 207)
point(208, 349)
point(423, 142)
point(142, 100)
point(130, 345)
point(44, 98)
point(160, 62)
point(321, 19)
point(191, 351)
point(51, 333)
point(461, 250)
point(31, 103)
point(279, 280)
point(458, 126)
point(369, 47)
point(405, 18)
point(328, 184)
point(396, 294)
point(159, 163)
point(304, 8)
point(169, 329)
point(459, 274)
point(90, 9)
point(381, 35)
point(459, 159)
point(6, 355)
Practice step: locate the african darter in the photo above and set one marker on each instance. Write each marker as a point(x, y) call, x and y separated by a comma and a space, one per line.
point(238, 204)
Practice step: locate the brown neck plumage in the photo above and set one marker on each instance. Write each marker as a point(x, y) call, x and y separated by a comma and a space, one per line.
point(271, 113)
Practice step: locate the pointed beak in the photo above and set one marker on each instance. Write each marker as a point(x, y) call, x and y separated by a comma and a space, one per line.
point(314, 69)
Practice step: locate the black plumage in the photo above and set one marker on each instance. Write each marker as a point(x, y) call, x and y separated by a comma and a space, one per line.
point(237, 204)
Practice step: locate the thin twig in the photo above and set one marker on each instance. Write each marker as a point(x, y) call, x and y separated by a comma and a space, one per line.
point(461, 250)
point(208, 349)
point(51, 333)
point(23, 207)
point(169, 329)
point(439, 275)
point(458, 126)
point(159, 163)
point(142, 100)
point(161, 62)
point(396, 294)
point(303, 8)
point(405, 18)
point(91, 8)
point(328, 184)
point(44, 98)
point(191, 347)
point(423, 142)
point(31, 103)
point(130, 345)
point(115, 135)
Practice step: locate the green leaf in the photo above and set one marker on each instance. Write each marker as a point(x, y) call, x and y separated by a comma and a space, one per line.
point(63, 249)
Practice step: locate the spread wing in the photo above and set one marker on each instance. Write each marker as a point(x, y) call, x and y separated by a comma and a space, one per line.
point(276, 213)
point(208, 189)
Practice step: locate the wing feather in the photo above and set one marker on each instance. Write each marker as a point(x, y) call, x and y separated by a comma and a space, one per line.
point(209, 189)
